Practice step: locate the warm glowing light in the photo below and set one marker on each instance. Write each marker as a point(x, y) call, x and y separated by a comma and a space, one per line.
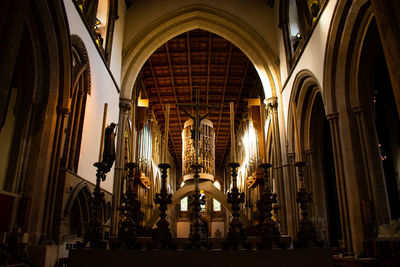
point(249, 141)
point(216, 204)
point(143, 102)
point(184, 204)
point(203, 206)
point(217, 185)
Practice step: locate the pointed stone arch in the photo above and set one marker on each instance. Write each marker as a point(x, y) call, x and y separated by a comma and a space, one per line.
point(305, 87)
point(187, 189)
point(207, 18)
point(357, 156)
point(80, 193)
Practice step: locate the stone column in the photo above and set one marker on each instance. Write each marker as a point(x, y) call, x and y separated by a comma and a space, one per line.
point(14, 14)
point(272, 105)
point(50, 231)
point(124, 110)
point(374, 177)
point(340, 182)
point(387, 15)
point(290, 185)
point(309, 182)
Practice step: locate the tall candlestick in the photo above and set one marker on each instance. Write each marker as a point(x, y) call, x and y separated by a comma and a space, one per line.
point(166, 133)
point(233, 143)
point(296, 132)
point(103, 127)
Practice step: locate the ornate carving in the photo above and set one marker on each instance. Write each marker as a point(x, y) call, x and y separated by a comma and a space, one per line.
point(307, 235)
point(272, 103)
point(162, 235)
point(130, 211)
point(391, 230)
point(79, 46)
point(95, 232)
point(206, 150)
point(125, 104)
point(197, 238)
point(236, 235)
point(268, 229)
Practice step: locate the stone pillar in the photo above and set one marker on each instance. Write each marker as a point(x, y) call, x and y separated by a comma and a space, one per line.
point(272, 105)
point(124, 110)
point(53, 227)
point(340, 182)
point(309, 182)
point(374, 177)
point(14, 14)
point(387, 15)
point(290, 185)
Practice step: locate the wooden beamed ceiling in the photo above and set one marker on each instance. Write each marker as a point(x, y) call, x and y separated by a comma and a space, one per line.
point(199, 60)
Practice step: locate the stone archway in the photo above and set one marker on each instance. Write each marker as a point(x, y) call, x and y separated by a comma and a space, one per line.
point(316, 149)
point(39, 73)
point(210, 19)
point(355, 149)
point(209, 189)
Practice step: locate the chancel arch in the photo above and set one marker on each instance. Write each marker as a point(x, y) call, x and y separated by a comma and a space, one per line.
point(209, 19)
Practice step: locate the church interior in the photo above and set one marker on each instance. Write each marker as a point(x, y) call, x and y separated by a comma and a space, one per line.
point(200, 128)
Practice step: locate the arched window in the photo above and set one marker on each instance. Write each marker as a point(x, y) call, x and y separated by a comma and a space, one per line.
point(297, 20)
point(216, 204)
point(78, 94)
point(184, 201)
point(100, 17)
point(184, 204)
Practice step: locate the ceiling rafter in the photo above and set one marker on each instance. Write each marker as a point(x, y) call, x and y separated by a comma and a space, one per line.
point(173, 84)
point(236, 105)
point(224, 88)
point(198, 61)
point(162, 106)
point(189, 60)
point(208, 68)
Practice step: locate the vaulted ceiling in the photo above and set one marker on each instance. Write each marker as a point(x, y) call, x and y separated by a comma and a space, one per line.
point(199, 60)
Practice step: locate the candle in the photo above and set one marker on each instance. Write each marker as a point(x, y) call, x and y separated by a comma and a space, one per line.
point(166, 133)
point(233, 143)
